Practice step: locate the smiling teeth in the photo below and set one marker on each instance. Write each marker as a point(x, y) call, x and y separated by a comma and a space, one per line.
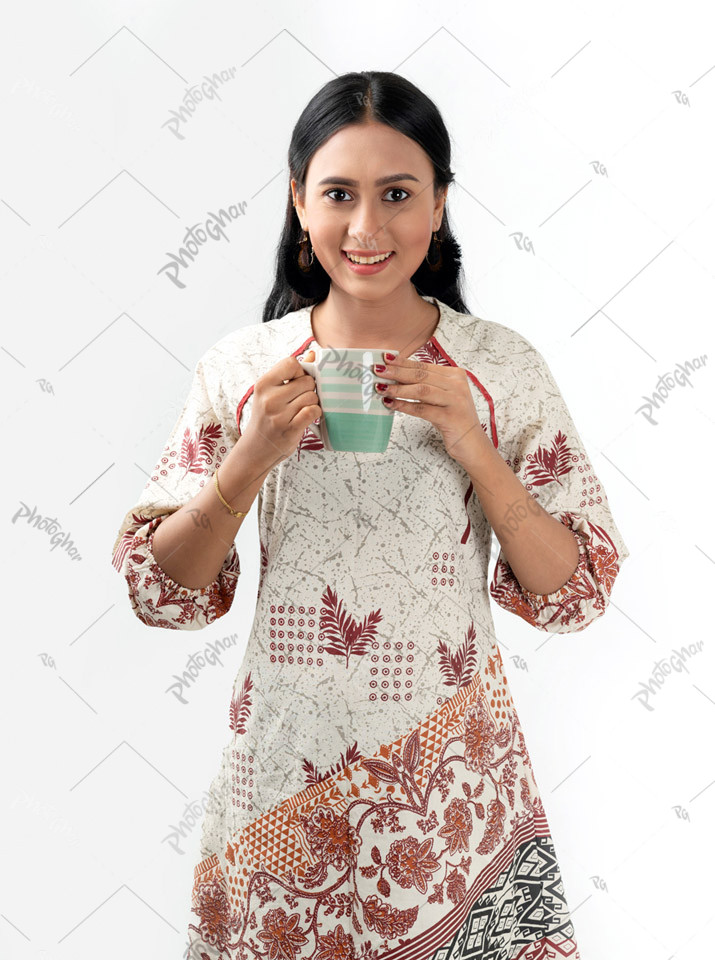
point(369, 259)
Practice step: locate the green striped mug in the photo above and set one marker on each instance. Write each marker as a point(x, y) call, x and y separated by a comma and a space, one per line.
point(354, 416)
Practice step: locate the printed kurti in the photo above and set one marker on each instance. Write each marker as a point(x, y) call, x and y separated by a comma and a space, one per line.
point(376, 795)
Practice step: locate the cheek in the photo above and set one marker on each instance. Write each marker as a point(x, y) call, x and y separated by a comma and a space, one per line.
point(413, 230)
point(326, 232)
point(414, 244)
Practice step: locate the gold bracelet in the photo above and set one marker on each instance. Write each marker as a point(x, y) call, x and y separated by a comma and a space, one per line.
point(235, 513)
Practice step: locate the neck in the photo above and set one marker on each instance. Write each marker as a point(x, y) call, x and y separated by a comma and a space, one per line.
point(403, 321)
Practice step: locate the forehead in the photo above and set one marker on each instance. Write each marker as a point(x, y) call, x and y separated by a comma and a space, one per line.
point(364, 152)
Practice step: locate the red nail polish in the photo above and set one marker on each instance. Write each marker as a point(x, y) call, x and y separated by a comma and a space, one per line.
point(390, 356)
point(387, 400)
point(379, 368)
point(381, 387)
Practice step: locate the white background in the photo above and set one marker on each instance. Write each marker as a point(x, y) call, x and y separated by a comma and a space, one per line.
point(584, 153)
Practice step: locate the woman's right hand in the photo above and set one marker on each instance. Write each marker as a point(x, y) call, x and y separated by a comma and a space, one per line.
point(281, 411)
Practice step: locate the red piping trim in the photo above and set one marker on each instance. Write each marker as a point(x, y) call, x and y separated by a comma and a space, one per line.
point(492, 423)
point(467, 495)
point(485, 393)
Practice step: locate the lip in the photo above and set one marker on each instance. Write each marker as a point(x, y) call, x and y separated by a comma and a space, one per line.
point(368, 253)
point(367, 269)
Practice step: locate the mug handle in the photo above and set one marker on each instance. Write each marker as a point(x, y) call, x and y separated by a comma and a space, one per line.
point(319, 429)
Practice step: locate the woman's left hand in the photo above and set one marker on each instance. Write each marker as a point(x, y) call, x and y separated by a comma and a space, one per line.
point(444, 400)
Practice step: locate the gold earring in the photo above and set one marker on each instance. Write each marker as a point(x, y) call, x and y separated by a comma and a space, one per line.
point(303, 261)
point(438, 262)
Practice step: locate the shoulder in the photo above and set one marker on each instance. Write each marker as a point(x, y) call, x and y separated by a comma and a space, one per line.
point(230, 367)
point(498, 340)
point(511, 372)
point(249, 344)
point(244, 340)
point(496, 347)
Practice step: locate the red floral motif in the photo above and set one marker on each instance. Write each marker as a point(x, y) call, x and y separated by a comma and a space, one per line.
point(431, 353)
point(456, 887)
point(343, 637)
point(386, 920)
point(546, 466)
point(216, 919)
point(282, 934)
point(198, 449)
point(411, 863)
point(479, 738)
point(604, 563)
point(351, 755)
point(332, 839)
point(458, 826)
point(457, 667)
point(496, 812)
point(402, 768)
point(240, 708)
point(336, 945)
point(125, 542)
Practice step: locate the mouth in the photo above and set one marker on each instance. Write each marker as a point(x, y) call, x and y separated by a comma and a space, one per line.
point(361, 258)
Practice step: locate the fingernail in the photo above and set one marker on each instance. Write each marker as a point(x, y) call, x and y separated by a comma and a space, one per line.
point(389, 356)
point(380, 368)
point(387, 400)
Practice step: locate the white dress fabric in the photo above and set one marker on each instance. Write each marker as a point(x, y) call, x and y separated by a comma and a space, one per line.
point(375, 795)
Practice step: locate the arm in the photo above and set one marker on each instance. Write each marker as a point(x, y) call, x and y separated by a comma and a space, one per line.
point(560, 550)
point(175, 547)
point(192, 544)
point(541, 552)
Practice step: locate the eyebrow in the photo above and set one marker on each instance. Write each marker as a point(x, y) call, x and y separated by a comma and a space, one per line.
point(345, 181)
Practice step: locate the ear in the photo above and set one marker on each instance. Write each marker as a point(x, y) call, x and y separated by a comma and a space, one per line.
point(296, 200)
point(439, 207)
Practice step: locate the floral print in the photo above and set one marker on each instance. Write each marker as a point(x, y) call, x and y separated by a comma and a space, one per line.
point(375, 795)
point(402, 852)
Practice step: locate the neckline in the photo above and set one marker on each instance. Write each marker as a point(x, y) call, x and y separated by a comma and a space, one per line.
point(438, 329)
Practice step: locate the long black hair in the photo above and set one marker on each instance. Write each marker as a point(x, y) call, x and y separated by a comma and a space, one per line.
point(355, 98)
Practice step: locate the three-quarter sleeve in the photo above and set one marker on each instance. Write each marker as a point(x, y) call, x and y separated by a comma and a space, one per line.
point(543, 448)
point(197, 445)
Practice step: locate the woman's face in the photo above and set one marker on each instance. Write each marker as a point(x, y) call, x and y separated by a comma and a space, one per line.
point(345, 208)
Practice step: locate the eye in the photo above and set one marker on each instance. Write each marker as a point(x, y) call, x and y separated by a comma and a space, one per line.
point(335, 190)
point(391, 190)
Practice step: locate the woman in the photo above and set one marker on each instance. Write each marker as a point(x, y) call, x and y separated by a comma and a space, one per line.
point(376, 793)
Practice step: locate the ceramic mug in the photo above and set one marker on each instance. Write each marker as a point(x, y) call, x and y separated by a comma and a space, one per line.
point(354, 417)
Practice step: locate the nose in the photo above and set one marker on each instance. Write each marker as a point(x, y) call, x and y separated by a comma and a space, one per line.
point(366, 225)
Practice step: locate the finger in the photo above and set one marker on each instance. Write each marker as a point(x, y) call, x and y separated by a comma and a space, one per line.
point(290, 364)
point(422, 392)
point(424, 410)
point(407, 371)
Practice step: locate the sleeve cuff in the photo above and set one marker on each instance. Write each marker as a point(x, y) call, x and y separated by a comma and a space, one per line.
point(224, 583)
point(582, 566)
point(159, 601)
point(577, 602)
